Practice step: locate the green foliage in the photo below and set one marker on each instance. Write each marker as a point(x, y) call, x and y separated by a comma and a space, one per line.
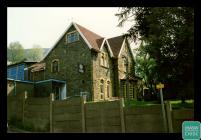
point(35, 53)
point(178, 104)
point(15, 52)
point(169, 36)
point(145, 67)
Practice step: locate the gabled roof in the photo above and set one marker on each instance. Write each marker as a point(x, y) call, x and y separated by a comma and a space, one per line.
point(116, 44)
point(93, 40)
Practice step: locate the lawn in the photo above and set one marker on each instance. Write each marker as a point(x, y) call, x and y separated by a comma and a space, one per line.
point(134, 103)
point(176, 104)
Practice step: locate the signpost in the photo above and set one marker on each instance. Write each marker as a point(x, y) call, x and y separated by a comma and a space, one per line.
point(160, 87)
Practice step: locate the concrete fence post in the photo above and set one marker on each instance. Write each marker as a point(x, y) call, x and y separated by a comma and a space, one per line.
point(51, 110)
point(169, 116)
point(23, 105)
point(121, 103)
point(83, 100)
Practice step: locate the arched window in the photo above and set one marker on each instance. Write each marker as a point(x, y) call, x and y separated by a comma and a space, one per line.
point(101, 88)
point(55, 66)
point(104, 59)
point(125, 63)
point(108, 89)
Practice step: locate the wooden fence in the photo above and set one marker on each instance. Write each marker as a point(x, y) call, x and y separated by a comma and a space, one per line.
point(74, 115)
point(14, 107)
point(67, 115)
point(103, 117)
point(36, 112)
point(175, 117)
point(144, 119)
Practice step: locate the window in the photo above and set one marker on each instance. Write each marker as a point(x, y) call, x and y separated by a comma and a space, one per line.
point(101, 88)
point(72, 37)
point(108, 89)
point(104, 58)
point(125, 63)
point(55, 66)
point(81, 68)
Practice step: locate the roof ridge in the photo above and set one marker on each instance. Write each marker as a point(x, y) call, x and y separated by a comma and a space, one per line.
point(88, 30)
point(115, 37)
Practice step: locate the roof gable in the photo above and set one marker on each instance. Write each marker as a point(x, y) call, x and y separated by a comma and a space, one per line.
point(116, 44)
point(93, 40)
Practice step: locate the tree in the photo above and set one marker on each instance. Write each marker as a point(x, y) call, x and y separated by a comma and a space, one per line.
point(35, 53)
point(15, 52)
point(169, 35)
point(145, 67)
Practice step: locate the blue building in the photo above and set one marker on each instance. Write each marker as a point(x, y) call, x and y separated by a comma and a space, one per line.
point(19, 71)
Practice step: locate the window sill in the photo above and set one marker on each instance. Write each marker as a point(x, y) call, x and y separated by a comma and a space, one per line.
point(67, 43)
point(105, 67)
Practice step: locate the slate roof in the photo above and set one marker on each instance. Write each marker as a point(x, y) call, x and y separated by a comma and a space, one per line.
point(115, 44)
point(94, 39)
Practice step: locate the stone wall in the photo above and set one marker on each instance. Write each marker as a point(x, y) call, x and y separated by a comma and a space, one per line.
point(70, 56)
point(125, 52)
point(102, 72)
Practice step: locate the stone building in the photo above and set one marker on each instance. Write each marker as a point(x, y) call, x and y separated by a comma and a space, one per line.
point(83, 62)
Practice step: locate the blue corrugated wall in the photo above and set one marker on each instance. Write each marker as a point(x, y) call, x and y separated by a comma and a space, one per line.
point(16, 72)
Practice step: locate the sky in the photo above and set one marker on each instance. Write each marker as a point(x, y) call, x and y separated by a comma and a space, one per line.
point(43, 26)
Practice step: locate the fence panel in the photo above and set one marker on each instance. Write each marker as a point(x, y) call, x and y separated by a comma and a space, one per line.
point(103, 117)
point(144, 119)
point(180, 115)
point(14, 107)
point(67, 115)
point(36, 112)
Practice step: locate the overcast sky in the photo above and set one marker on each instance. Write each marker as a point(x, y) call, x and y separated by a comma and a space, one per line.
point(43, 26)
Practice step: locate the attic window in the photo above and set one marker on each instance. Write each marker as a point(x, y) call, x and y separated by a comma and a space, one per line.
point(103, 60)
point(72, 37)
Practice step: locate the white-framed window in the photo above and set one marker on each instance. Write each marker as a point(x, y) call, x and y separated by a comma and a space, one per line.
point(72, 37)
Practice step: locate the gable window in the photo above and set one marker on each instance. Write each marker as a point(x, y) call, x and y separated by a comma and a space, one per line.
point(55, 66)
point(72, 37)
point(103, 60)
